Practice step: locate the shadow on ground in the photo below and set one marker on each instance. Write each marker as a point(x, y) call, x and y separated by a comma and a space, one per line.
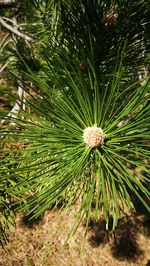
point(125, 245)
point(124, 242)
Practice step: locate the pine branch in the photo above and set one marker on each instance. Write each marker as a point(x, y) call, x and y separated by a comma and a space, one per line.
point(15, 31)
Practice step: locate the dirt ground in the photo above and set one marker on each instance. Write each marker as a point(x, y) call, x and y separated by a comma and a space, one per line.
point(42, 243)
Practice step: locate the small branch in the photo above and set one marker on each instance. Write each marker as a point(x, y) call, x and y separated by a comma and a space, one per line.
point(14, 30)
point(3, 67)
point(5, 44)
point(10, 20)
point(20, 104)
point(4, 39)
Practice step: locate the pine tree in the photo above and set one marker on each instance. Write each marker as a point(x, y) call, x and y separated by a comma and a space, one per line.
point(85, 133)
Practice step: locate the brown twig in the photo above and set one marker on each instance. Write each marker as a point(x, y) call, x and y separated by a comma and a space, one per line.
point(15, 31)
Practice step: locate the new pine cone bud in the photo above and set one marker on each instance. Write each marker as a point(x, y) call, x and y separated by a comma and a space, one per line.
point(93, 136)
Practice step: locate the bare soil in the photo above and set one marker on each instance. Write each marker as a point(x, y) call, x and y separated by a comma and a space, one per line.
point(41, 243)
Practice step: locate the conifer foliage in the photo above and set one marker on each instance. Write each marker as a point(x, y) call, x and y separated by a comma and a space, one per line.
point(85, 132)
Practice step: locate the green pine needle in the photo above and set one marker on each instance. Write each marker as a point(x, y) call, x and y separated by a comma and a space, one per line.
point(54, 163)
